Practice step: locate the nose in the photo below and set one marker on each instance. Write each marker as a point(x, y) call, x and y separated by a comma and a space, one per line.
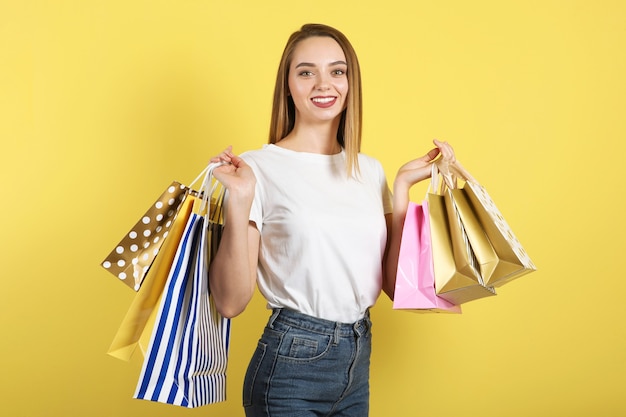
point(323, 83)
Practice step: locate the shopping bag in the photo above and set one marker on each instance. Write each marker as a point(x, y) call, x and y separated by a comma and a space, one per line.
point(185, 363)
point(132, 257)
point(415, 280)
point(500, 254)
point(485, 254)
point(135, 329)
point(457, 278)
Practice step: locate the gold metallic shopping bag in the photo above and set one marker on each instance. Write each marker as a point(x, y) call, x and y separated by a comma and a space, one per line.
point(457, 279)
point(498, 251)
point(135, 329)
point(487, 259)
point(133, 256)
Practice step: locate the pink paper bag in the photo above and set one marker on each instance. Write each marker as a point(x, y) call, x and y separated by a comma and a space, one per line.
point(415, 279)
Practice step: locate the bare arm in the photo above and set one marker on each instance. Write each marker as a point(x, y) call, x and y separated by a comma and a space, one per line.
point(233, 270)
point(409, 174)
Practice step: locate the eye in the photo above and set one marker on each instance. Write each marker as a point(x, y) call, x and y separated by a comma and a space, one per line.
point(339, 72)
point(305, 74)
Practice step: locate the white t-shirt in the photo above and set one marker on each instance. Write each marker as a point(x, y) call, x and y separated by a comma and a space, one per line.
point(323, 234)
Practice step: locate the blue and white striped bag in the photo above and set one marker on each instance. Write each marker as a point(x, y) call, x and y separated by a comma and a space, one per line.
point(185, 363)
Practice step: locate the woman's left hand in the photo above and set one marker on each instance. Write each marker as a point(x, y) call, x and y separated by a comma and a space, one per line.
point(419, 169)
point(410, 173)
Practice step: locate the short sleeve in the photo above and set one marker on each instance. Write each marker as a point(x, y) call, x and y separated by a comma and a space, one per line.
point(256, 211)
point(384, 189)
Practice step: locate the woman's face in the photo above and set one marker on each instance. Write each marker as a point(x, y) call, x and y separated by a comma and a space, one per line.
point(318, 79)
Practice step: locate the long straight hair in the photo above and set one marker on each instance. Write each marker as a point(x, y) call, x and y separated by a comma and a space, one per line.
point(283, 108)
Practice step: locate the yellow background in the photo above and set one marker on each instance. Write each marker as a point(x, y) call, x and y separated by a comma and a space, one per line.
point(103, 103)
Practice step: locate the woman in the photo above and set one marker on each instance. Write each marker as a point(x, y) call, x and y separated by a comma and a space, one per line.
point(310, 221)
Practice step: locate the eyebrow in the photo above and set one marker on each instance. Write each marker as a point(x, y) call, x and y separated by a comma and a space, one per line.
point(310, 64)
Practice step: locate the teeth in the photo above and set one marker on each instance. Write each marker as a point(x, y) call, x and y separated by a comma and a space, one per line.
point(323, 99)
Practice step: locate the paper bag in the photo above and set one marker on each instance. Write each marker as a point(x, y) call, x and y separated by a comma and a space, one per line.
point(415, 280)
point(456, 276)
point(186, 360)
point(514, 260)
point(498, 251)
point(135, 329)
point(134, 254)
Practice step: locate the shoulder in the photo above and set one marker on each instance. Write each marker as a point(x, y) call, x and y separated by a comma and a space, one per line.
point(368, 159)
point(253, 154)
point(370, 164)
point(258, 157)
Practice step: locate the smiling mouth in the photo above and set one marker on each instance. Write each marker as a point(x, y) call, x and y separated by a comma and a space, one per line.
point(323, 100)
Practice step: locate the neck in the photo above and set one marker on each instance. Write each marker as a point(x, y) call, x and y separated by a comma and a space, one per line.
point(318, 138)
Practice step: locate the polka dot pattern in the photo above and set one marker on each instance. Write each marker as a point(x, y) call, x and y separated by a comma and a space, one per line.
point(478, 194)
point(133, 255)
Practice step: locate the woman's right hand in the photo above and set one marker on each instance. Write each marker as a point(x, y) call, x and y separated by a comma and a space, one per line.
point(235, 174)
point(233, 269)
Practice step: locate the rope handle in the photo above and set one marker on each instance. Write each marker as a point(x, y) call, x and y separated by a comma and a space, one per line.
point(209, 188)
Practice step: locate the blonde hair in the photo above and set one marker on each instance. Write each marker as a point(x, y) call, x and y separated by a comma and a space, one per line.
point(283, 108)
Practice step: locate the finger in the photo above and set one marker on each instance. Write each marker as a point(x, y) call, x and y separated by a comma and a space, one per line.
point(447, 152)
point(431, 155)
point(225, 156)
point(237, 161)
point(443, 146)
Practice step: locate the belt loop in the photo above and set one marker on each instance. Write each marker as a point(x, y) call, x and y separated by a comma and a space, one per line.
point(359, 327)
point(368, 320)
point(364, 325)
point(273, 318)
point(336, 335)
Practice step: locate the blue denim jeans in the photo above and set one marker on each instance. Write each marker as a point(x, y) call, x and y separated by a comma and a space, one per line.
point(309, 367)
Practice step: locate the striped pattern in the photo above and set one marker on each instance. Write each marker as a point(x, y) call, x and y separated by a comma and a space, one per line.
point(185, 364)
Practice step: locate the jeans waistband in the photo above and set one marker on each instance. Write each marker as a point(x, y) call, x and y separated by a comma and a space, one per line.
point(322, 326)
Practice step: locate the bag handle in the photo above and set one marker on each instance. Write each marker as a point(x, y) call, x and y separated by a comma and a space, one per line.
point(449, 180)
point(452, 171)
point(434, 186)
point(202, 174)
point(211, 187)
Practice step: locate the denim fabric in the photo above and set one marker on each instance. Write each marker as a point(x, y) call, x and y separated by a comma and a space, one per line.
point(305, 367)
